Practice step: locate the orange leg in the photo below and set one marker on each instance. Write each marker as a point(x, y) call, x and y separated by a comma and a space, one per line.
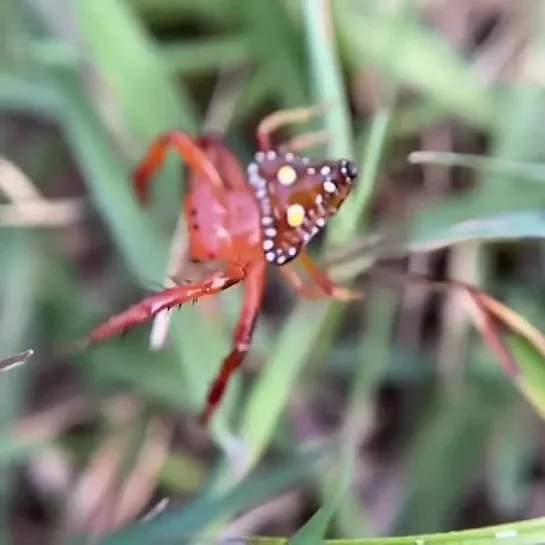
point(254, 286)
point(320, 278)
point(282, 118)
point(226, 163)
point(188, 149)
point(308, 291)
point(305, 141)
point(168, 298)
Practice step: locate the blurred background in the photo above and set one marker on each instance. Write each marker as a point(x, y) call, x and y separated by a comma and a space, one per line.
point(383, 417)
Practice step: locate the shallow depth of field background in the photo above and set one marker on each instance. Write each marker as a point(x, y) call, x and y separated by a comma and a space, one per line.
point(387, 417)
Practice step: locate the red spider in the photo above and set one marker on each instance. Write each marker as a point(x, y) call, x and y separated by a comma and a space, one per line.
point(245, 220)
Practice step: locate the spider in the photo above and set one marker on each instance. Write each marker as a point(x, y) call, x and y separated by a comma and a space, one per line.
point(245, 220)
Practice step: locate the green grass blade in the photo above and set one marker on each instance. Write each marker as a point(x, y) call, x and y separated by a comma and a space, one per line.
point(22, 95)
point(430, 502)
point(338, 482)
point(273, 40)
point(523, 170)
point(19, 287)
point(206, 54)
point(426, 62)
point(130, 63)
point(108, 182)
point(328, 85)
point(175, 524)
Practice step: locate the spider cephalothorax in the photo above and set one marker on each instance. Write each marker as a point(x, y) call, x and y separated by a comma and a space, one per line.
point(296, 196)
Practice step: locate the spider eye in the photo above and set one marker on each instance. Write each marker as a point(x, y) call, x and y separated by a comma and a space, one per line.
point(349, 169)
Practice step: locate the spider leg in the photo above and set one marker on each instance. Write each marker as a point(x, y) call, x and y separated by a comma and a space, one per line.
point(321, 279)
point(281, 118)
point(226, 163)
point(254, 286)
point(308, 291)
point(150, 306)
point(186, 147)
point(306, 140)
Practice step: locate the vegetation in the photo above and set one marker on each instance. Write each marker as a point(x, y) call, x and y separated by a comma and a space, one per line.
point(417, 411)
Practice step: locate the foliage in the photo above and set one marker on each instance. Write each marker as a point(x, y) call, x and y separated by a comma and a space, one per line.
point(109, 77)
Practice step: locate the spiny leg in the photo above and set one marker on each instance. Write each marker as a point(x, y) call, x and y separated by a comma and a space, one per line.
point(186, 147)
point(282, 118)
point(254, 286)
point(150, 306)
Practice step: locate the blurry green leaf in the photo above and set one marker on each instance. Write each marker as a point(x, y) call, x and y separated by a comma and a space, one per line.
point(527, 371)
point(107, 179)
point(511, 456)
point(397, 31)
point(517, 137)
point(183, 473)
point(257, 90)
point(22, 95)
point(206, 54)
point(523, 170)
point(443, 459)
point(209, 12)
point(55, 53)
point(18, 449)
point(130, 365)
point(372, 361)
point(175, 524)
point(532, 369)
point(315, 529)
point(415, 118)
point(354, 209)
point(425, 62)
point(294, 346)
point(276, 48)
point(526, 224)
point(328, 84)
point(19, 292)
point(528, 532)
point(131, 65)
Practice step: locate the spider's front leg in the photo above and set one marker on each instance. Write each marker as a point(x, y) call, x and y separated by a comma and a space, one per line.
point(186, 147)
point(254, 287)
point(150, 306)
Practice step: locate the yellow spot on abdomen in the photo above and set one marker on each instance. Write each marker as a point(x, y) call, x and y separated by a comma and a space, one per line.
point(295, 215)
point(286, 175)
